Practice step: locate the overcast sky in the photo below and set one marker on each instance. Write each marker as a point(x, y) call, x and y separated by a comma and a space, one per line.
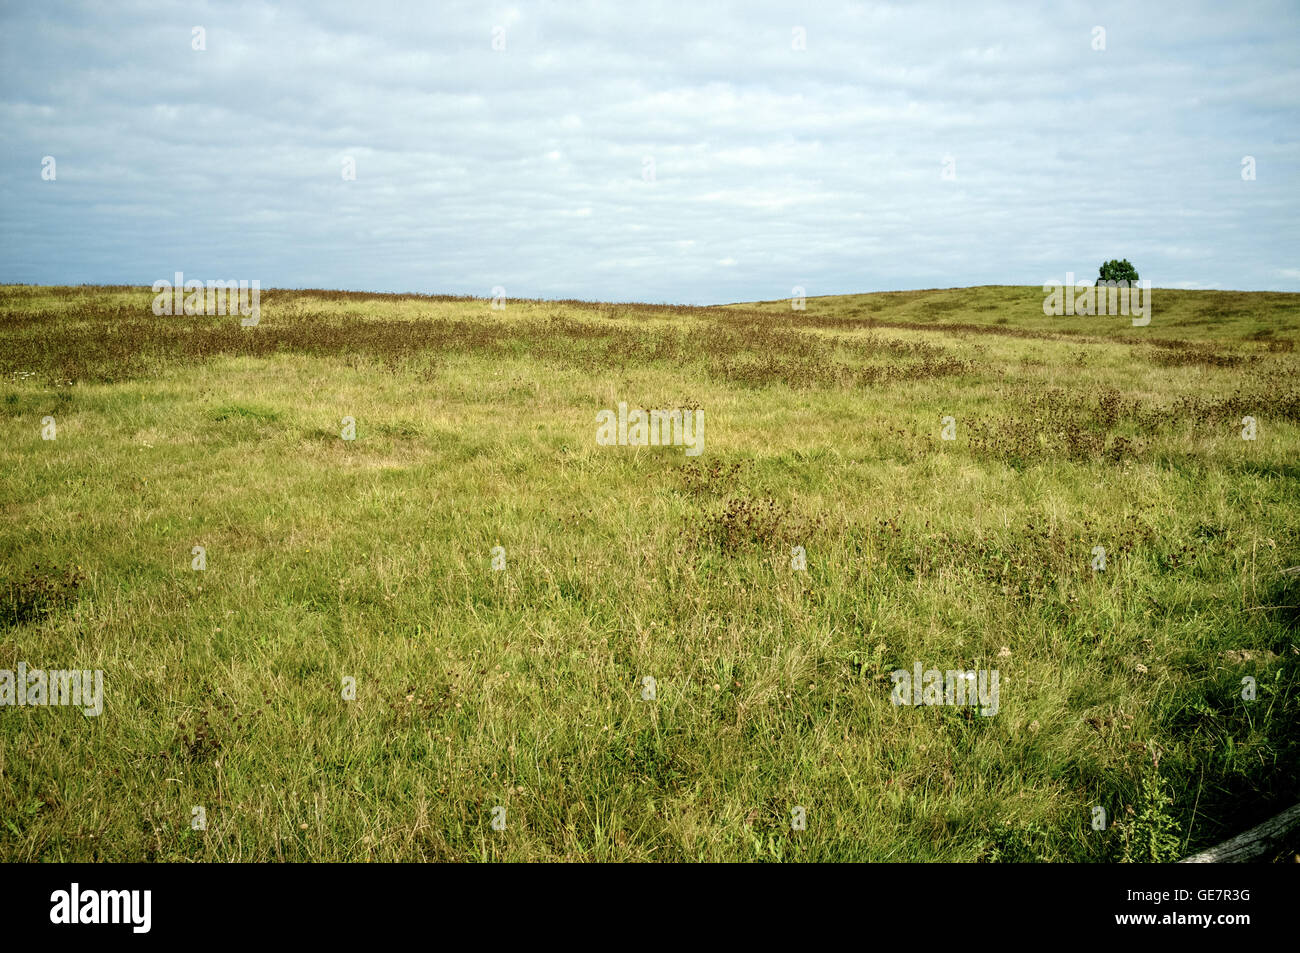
point(684, 152)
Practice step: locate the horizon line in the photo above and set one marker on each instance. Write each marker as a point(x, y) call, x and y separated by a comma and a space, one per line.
point(148, 288)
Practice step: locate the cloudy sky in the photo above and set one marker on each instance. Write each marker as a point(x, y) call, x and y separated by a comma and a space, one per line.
point(685, 152)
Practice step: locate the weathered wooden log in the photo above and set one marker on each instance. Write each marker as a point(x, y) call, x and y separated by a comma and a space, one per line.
point(1252, 845)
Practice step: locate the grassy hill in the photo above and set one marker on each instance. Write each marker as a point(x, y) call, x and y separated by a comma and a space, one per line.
point(522, 688)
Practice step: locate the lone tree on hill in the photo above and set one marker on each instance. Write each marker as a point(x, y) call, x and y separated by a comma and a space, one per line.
point(1117, 270)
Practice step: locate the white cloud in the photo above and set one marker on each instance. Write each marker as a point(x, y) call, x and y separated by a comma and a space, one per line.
point(773, 167)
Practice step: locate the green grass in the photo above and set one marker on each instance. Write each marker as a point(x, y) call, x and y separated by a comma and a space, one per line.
point(372, 559)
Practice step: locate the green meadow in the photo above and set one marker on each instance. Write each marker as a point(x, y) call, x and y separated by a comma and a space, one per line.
point(358, 673)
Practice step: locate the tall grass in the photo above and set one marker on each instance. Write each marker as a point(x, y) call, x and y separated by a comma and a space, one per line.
point(371, 559)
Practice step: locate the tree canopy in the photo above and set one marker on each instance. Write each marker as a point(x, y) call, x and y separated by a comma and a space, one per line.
point(1118, 270)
